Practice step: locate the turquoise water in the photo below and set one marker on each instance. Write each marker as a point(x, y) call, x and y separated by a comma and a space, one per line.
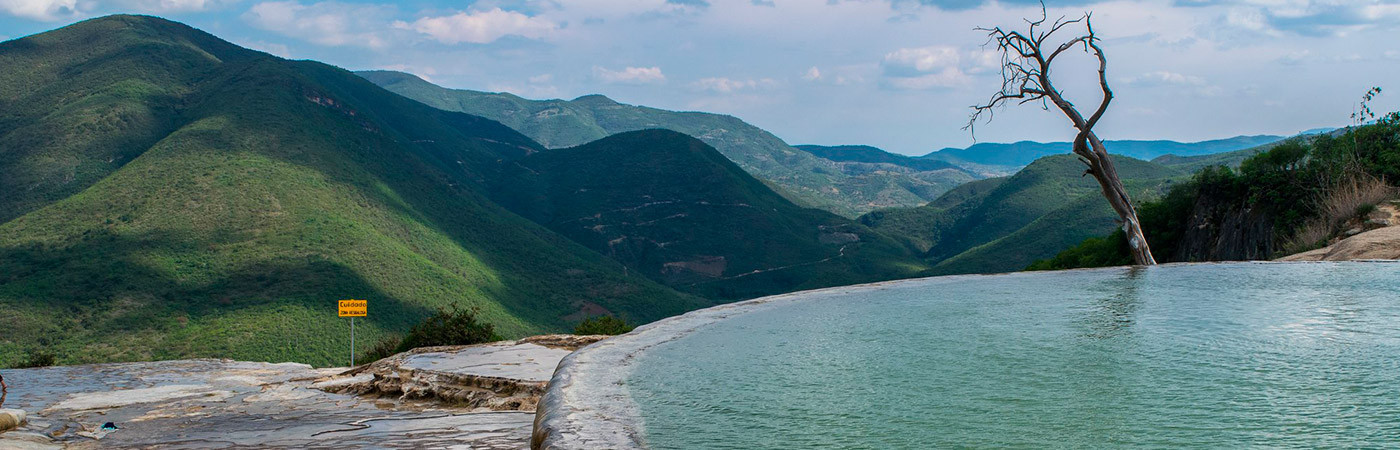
point(1235, 355)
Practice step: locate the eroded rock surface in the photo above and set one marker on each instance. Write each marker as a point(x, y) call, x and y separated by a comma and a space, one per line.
point(445, 397)
point(1381, 242)
point(499, 376)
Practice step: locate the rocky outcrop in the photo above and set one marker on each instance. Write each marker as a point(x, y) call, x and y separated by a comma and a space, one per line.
point(428, 398)
point(231, 404)
point(1383, 243)
point(1375, 237)
point(1220, 230)
point(499, 376)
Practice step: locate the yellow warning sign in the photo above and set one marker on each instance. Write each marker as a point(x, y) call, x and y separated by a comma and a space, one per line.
point(354, 308)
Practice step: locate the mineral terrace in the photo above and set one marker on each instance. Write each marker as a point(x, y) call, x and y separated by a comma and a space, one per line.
point(480, 396)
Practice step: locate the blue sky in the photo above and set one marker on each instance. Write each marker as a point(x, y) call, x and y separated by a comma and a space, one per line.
point(898, 74)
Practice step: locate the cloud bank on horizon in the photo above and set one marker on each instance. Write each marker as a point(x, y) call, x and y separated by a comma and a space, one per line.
point(898, 74)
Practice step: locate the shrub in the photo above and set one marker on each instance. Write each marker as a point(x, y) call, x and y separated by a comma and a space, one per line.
point(608, 325)
point(455, 326)
point(1356, 197)
point(38, 358)
point(1093, 252)
point(384, 349)
point(1311, 236)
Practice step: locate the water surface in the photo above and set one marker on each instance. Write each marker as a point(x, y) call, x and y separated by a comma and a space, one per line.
point(1266, 355)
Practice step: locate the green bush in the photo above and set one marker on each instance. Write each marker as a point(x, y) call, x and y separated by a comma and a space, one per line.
point(1365, 210)
point(608, 325)
point(1093, 252)
point(39, 358)
point(455, 326)
point(384, 349)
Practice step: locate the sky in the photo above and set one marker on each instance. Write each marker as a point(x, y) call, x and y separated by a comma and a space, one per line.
point(897, 74)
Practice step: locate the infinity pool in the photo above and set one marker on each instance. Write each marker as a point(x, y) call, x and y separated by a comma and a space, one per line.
point(1211, 355)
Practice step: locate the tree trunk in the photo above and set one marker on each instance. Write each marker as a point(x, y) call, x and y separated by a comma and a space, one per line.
point(1101, 167)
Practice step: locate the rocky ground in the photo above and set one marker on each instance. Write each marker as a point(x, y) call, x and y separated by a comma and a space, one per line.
point(1378, 237)
point(443, 397)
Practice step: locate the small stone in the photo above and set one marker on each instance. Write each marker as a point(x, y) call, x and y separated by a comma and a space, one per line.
point(1353, 232)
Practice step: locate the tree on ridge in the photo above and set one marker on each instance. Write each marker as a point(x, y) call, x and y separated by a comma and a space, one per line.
point(1025, 73)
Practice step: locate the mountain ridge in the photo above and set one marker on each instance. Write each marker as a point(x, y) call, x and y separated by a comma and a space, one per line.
point(804, 178)
point(1023, 152)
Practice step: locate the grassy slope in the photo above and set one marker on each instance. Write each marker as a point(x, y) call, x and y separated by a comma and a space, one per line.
point(667, 205)
point(1003, 224)
point(1044, 186)
point(280, 187)
point(1087, 215)
point(802, 177)
point(920, 228)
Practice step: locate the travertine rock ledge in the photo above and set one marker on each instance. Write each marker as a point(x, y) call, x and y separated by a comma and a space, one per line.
point(499, 376)
point(210, 403)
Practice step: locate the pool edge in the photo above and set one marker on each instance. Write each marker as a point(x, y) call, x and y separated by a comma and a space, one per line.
point(565, 420)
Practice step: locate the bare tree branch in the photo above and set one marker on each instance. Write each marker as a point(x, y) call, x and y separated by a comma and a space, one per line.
point(1025, 78)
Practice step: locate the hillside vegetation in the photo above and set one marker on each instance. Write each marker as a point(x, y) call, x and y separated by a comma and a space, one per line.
point(674, 209)
point(802, 177)
point(178, 196)
point(1294, 196)
point(1004, 224)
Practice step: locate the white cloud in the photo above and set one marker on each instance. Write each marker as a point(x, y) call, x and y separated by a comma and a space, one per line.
point(1160, 78)
point(166, 6)
point(424, 72)
point(630, 75)
point(947, 78)
point(54, 10)
point(726, 85)
point(45, 10)
point(270, 47)
point(812, 74)
point(927, 68)
point(538, 86)
point(325, 23)
point(481, 27)
point(916, 61)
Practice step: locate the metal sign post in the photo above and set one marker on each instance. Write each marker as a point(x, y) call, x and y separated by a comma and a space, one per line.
point(353, 309)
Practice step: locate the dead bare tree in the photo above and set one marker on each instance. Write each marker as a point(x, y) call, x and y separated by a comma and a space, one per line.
point(1025, 74)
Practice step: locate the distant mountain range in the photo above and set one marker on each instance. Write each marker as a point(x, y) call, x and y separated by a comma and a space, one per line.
point(846, 189)
point(1024, 152)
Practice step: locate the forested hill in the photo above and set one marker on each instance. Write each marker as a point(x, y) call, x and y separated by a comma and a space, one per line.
point(804, 178)
point(172, 195)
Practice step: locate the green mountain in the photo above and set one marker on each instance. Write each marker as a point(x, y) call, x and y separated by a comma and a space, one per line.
point(1024, 152)
point(873, 155)
point(1004, 224)
point(674, 209)
point(800, 176)
point(169, 195)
